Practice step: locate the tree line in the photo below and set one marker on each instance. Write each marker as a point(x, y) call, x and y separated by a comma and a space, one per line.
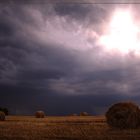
point(5, 110)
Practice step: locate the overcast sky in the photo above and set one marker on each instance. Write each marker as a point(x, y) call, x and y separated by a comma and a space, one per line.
point(51, 59)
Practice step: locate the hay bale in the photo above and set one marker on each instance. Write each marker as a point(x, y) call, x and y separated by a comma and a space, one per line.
point(74, 114)
point(84, 114)
point(40, 114)
point(123, 115)
point(2, 116)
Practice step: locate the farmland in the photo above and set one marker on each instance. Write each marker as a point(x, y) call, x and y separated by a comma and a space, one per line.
point(62, 128)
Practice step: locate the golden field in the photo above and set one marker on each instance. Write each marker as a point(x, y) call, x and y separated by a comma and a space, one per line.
point(62, 128)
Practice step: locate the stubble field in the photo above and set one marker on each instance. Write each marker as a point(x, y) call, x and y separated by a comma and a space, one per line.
point(62, 128)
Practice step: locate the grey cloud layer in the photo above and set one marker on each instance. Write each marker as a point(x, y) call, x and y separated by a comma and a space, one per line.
point(50, 50)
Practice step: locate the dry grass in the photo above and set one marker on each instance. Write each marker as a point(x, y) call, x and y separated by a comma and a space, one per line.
point(62, 128)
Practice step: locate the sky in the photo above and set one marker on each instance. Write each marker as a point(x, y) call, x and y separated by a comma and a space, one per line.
point(68, 57)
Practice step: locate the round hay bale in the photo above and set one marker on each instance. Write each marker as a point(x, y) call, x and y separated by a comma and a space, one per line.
point(84, 114)
point(74, 114)
point(123, 115)
point(40, 114)
point(2, 116)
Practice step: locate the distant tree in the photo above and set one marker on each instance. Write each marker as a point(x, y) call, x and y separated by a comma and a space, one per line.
point(2, 116)
point(5, 110)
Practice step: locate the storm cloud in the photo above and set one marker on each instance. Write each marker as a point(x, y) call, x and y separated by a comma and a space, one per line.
point(50, 59)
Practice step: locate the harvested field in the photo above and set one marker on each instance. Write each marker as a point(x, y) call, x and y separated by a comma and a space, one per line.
point(62, 128)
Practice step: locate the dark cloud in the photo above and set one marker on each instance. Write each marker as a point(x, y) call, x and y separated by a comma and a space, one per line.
point(28, 100)
point(74, 10)
point(47, 61)
point(85, 14)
